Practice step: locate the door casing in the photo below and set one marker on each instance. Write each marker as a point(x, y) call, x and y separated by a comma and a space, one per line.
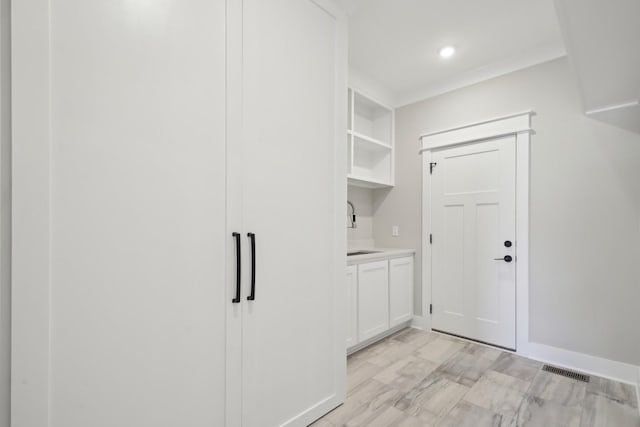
point(518, 125)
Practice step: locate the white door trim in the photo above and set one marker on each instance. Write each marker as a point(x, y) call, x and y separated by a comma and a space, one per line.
point(518, 125)
point(30, 66)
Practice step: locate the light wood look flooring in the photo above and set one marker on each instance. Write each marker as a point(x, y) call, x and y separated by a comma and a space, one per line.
point(416, 378)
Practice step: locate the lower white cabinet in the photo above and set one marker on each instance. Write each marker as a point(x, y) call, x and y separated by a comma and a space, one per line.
point(352, 305)
point(400, 290)
point(379, 297)
point(373, 299)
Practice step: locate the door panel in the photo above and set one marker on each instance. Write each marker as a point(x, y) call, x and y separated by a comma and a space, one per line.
point(473, 213)
point(482, 166)
point(454, 251)
point(290, 330)
point(400, 290)
point(487, 232)
point(373, 299)
point(137, 219)
point(352, 305)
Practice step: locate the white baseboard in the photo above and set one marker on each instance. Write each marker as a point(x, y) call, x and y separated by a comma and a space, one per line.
point(380, 336)
point(421, 322)
point(618, 371)
point(638, 389)
point(593, 365)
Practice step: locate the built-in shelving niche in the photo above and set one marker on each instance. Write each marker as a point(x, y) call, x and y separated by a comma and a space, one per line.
point(370, 145)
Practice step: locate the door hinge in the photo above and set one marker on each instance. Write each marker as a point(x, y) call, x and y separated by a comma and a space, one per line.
point(430, 308)
point(431, 166)
point(431, 239)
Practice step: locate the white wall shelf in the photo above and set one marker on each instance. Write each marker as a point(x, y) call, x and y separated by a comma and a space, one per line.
point(366, 182)
point(370, 143)
point(368, 139)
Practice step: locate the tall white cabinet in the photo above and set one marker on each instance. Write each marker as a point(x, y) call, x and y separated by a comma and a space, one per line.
point(145, 135)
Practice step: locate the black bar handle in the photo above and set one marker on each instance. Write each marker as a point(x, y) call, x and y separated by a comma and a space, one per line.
point(252, 237)
point(236, 300)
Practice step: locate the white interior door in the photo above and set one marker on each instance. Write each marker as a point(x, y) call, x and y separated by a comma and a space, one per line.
point(293, 335)
point(119, 116)
point(474, 248)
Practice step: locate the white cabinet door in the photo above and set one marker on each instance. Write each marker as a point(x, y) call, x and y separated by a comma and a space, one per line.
point(352, 305)
point(400, 290)
point(293, 333)
point(119, 213)
point(473, 253)
point(373, 299)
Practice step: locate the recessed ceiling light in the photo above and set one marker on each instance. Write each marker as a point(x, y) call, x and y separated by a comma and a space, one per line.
point(447, 51)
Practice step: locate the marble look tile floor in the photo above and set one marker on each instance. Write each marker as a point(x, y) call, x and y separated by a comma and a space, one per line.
point(416, 378)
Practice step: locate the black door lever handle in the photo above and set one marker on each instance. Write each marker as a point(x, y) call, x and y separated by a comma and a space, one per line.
point(507, 258)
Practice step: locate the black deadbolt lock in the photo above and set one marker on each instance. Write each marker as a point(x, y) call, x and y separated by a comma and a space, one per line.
point(507, 243)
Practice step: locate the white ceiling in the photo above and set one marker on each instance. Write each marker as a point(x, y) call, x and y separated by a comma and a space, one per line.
point(395, 43)
point(602, 40)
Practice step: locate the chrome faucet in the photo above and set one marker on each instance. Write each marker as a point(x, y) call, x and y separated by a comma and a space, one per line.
point(352, 217)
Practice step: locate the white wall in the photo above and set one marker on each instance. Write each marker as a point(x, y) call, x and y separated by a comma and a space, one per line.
point(362, 235)
point(366, 86)
point(401, 205)
point(5, 213)
point(585, 206)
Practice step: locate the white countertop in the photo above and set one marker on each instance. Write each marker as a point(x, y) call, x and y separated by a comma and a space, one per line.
point(381, 253)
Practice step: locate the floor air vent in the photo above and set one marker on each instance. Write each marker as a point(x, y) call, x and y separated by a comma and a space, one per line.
point(566, 373)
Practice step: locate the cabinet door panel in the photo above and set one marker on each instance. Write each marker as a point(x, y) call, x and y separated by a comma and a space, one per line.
point(352, 305)
point(400, 290)
point(292, 332)
point(130, 102)
point(373, 299)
